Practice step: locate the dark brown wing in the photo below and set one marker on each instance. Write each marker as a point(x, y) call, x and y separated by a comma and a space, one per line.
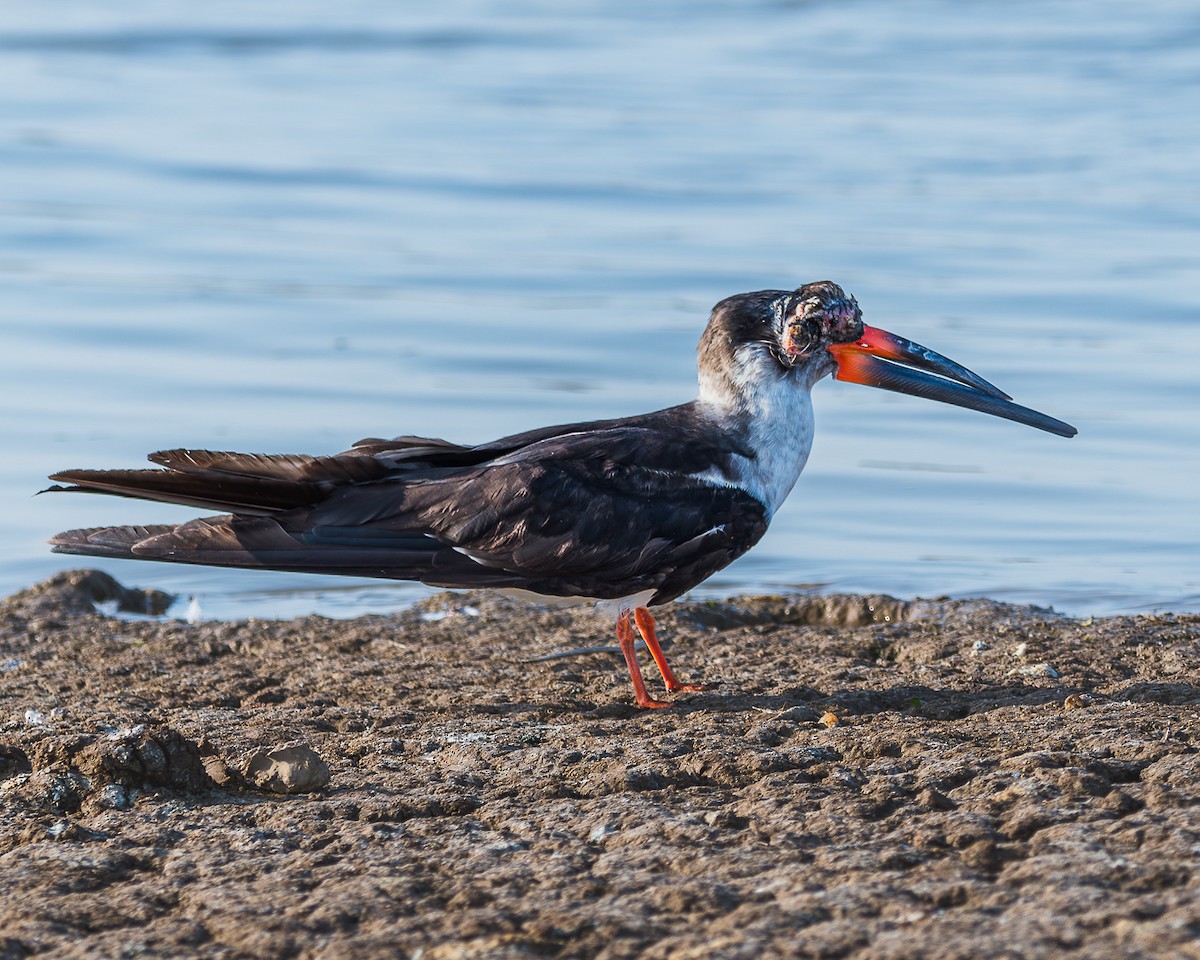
point(598, 513)
point(600, 509)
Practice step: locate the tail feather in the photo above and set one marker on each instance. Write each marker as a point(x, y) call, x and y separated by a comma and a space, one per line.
point(261, 543)
point(294, 468)
point(284, 512)
point(208, 490)
point(105, 541)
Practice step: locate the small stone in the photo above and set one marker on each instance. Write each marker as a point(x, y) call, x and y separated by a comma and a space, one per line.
point(725, 820)
point(122, 733)
point(139, 757)
point(218, 771)
point(113, 796)
point(294, 769)
point(1120, 803)
point(932, 799)
point(1035, 670)
point(982, 855)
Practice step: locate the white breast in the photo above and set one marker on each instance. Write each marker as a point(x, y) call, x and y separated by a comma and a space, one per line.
point(775, 410)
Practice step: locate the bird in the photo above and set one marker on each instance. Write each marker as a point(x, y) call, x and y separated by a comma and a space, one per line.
point(628, 513)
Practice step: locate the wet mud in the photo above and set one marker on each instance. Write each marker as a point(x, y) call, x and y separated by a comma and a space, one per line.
point(468, 779)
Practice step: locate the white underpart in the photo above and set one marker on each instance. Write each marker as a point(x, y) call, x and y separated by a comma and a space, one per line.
point(777, 411)
point(614, 608)
point(606, 608)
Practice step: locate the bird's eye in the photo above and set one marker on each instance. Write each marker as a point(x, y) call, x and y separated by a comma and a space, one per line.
point(801, 339)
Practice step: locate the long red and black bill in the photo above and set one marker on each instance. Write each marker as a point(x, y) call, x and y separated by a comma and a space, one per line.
point(884, 360)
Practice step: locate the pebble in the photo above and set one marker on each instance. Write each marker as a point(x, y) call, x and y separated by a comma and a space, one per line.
point(292, 769)
point(218, 771)
point(113, 796)
point(1035, 670)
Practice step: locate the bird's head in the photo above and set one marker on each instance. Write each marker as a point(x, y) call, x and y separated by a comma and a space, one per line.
point(754, 340)
point(812, 319)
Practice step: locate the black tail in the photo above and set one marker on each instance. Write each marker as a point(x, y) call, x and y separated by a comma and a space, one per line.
point(243, 483)
point(261, 543)
point(272, 517)
point(106, 541)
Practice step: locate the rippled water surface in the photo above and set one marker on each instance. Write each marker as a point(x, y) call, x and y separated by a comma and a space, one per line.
point(285, 226)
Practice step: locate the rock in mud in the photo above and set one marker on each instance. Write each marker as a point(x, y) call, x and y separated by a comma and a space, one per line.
point(77, 592)
point(294, 769)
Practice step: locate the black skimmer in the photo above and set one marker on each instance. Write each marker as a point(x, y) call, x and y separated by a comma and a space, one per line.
point(630, 513)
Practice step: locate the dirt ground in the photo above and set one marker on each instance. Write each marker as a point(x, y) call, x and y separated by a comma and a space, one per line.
point(865, 778)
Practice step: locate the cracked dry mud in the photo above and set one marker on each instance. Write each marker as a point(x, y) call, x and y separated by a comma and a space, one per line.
point(865, 778)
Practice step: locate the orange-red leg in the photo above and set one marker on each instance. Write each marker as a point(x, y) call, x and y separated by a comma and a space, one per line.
point(625, 641)
point(645, 625)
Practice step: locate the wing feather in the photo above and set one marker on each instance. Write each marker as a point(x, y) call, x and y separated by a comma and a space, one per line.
point(289, 467)
point(603, 509)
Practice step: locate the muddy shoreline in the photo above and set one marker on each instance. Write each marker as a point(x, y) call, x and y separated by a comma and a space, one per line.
point(865, 778)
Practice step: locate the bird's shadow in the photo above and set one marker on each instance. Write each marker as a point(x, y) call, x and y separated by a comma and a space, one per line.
point(810, 703)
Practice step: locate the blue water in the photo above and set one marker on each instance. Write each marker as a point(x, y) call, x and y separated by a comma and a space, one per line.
point(285, 226)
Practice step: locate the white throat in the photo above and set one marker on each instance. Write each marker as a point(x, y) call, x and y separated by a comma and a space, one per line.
point(774, 409)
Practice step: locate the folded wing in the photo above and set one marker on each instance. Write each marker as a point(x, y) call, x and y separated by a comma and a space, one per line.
point(580, 510)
